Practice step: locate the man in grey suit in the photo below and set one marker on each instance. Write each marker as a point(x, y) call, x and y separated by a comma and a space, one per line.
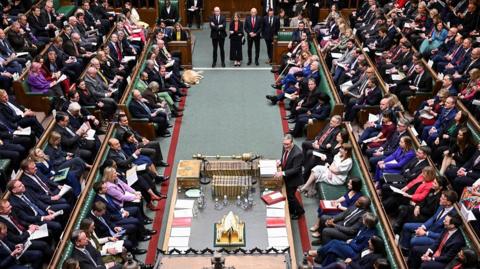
point(98, 86)
point(291, 164)
point(342, 226)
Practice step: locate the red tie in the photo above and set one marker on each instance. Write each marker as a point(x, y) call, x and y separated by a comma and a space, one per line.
point(15, 221)
point(285, 157)
point(119, 52)
point(324, 136)
point(253, 23)
point(442, 244)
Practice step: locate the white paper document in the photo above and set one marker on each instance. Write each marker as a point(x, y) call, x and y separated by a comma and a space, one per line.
point(372, 117)
point(278, 242)
point(277, 232)
point(344, 87)
point(279, 205)
point(90, 134)
point(61, 78)
point(268, 168)
point(275, 213)
point(25, 247)
point(397, 190)
point(320, 155)
point(182, 213)
point(58, 213)
point(180, 232)
point(141, 167)
point(117, 245)
point(184, 204)
point(126, 59)
point(288, 96)
point(336, 55)
point(178, 241)
point(467, 214)
point(65, 189)
point(23, 131)
point(132, 176)
point(40, 233)
point(397, 77)
point(22, 53)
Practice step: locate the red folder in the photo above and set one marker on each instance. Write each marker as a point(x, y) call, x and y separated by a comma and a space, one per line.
point(327, 207)
point(275, 222)
point(273, 197)
point(182, 222)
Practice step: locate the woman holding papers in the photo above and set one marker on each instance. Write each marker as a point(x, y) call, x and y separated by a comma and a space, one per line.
point(415, 191)
point(108, 254)
point(459, 151)
point(348, 199)
point(39, 84)
point(386, 131)
point(334, 174)
point(394, 163)
point(71, 169)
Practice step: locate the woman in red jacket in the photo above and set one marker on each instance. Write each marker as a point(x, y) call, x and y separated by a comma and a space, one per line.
point(415, 191)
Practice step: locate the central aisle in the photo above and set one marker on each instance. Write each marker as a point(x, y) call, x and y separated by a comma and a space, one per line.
point(228, 114)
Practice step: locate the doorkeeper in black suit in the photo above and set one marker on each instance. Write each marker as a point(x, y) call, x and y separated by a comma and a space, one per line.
point(270, 27)
point(253, 27)
point(193, 11)
point(291, 164)
point(218, 23)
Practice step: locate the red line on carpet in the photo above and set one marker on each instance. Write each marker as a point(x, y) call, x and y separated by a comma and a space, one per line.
point(157, 222)
point(302, 222)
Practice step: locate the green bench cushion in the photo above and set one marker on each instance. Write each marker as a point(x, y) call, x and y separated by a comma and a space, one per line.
point(284, 36)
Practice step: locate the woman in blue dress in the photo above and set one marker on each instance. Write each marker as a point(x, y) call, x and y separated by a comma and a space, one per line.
point(348, 199)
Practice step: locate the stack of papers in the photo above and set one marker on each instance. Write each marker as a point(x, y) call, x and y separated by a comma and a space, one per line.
point(275, 213)
point(336, 55)
point(278, 242)
point(40, 233)
point(178, 241)
point(279, 205)
point(268, 168)
point(182, 213)
point(117, 245)
point(184, 204)
point(23, 131)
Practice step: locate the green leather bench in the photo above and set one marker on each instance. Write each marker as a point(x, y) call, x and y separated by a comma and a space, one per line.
point(65, 9)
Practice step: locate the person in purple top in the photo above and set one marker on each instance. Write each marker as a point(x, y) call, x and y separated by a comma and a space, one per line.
point(39, 84)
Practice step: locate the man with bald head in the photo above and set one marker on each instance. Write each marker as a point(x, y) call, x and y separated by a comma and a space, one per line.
point(141, 109)
point(253, 27)
point(218, 23)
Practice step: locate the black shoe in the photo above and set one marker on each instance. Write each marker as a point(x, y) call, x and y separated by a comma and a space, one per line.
point(160, 179)
point(317, 242)
point(318, 260)
point(166, 135)
point(223, 64)
point(292, 121)
point(256, 63)
point(147, 221)
point(249, 62)
point(150, 232)
point(213, 65)
point(145, 238)
point(176, 114)
point(139, 251)
point(163, 164)
point(275, 86)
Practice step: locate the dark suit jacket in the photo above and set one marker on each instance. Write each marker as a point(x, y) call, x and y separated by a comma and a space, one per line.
point(269, 31)
point(122, 163)
point(6, 48)
point(372, 99)
point(453, 245)
point(13, 234)
point(412, 170)
point(38, 29)
point(297, 35)
point(191, 3)
point(17, 41)
point(100, 229)
point(257, 28)
point(69, 48)
point(33, 186)
point(23, 211)
point(366, 262)
point(121, 130)
point(173, 15)
point(69, 142)
point(9, 114)
point(217, 32)
point(352, 226)
point(7, 260)
point(293, 167)
point(331, 136)
point(138, 111)
point(113, 212)
point(473, 170)
point(85, 262)
point(320, 112)
point(183, 36)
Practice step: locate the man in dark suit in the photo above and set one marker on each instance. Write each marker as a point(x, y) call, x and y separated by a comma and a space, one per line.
point(291, 164)
point(342, 226)
point(418, 81)
point(9, 253)
point(140, 109)
point(193, 11)
point(19, 116)
point(19, 232)
point(150, 148)
point(169, 14)
point(445, 248)
point(270, 27)
point(466, 175)
point(30, 209)
point(86, 255)
point(218, 23)
point(319, 112)
point(370, 96)
point(253, 27)
point(323, 140)
point(74, 140)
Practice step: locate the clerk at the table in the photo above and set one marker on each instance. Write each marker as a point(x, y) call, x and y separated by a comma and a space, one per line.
point(291, 164)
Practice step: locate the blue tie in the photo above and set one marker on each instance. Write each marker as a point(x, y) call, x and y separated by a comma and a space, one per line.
point(33, 206)
point(112, 232)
